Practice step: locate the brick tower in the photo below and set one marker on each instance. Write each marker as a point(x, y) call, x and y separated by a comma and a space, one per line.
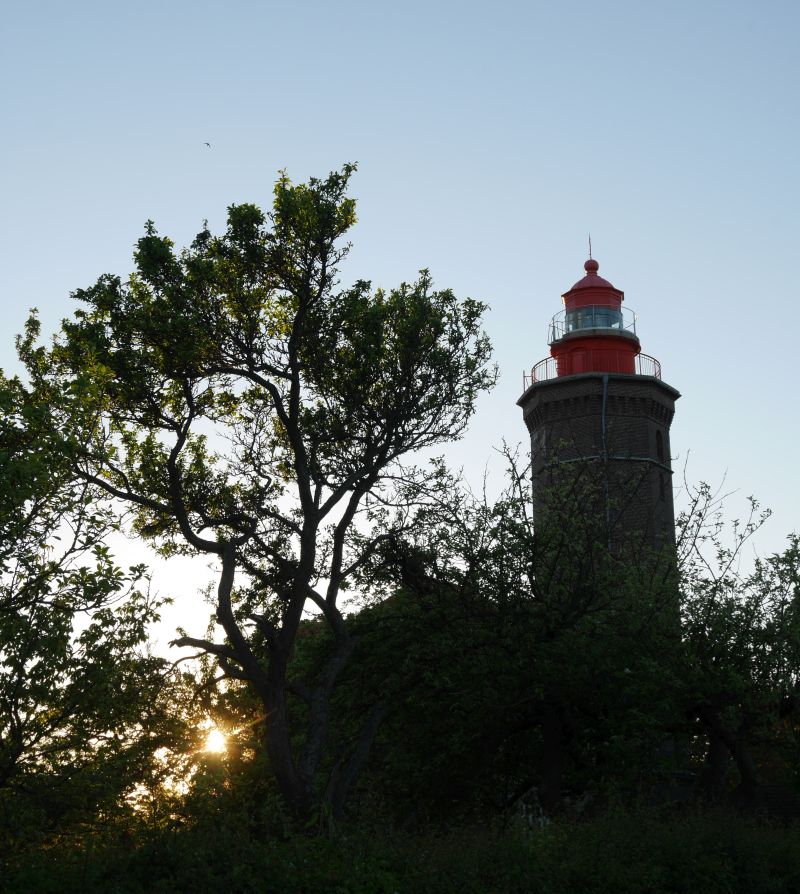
point(599, 416)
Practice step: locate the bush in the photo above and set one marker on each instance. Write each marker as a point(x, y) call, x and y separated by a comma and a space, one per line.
point(618, 854)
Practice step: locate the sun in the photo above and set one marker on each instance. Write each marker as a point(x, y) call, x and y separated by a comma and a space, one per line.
point(216, 741)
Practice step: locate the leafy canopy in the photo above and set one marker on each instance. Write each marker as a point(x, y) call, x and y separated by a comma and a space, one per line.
point(245, 404)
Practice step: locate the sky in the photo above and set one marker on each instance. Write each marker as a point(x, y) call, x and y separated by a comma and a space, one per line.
point(491, 139)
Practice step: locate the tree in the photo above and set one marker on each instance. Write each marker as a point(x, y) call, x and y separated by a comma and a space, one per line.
point(742, 642)
point(249, 408)
point(81, 700)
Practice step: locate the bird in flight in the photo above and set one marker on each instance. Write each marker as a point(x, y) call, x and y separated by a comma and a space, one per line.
point(207, 144)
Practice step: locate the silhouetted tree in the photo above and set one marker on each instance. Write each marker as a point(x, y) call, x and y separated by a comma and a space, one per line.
point(248, 407)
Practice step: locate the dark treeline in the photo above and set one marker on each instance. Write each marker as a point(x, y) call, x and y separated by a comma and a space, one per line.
point(417, 689)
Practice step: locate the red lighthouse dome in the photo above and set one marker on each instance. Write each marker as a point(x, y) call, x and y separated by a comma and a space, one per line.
point(592, 334)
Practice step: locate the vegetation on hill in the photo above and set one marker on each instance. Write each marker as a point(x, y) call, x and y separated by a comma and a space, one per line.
point(402, 686)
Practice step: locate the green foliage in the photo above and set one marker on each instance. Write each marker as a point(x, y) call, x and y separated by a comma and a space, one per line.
point(239, 402)
point(620, 854)
point(244, 405)
point(81, 699)
point(743, 628)
point(742, 650)
point(539, 669)
point(483, 646)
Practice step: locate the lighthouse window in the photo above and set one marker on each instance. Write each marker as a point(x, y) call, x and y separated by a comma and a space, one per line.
point(594, 318)
point(660, 446)
point(608, 318)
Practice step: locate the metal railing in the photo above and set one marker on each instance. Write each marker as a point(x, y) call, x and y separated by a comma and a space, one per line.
point(547, 369)
point(606, 318)
point(541, 372)
point(648, 366)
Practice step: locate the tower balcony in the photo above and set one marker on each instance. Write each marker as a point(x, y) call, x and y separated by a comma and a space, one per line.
point(601, 320)
point(547, 369)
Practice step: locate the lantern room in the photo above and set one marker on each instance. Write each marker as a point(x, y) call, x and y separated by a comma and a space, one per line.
point(592, 333)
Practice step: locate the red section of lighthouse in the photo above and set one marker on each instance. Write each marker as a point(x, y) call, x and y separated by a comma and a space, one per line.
point(592, 334)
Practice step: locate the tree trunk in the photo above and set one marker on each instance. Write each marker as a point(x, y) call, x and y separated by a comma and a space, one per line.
point(749, 788)
point(748, 792)
point(296, 788)
point(553, 758)
point(713, 777)
point(347, 775)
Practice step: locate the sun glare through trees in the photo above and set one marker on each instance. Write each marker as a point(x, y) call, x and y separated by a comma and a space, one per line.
point(216, 741)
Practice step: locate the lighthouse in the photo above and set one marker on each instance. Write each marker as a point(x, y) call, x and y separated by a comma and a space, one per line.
point(599, 416)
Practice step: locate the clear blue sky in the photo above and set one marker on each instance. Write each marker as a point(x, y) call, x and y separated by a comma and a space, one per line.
point(490, 139)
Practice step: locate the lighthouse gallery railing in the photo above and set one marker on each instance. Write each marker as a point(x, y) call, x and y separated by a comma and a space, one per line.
point(546, 369)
